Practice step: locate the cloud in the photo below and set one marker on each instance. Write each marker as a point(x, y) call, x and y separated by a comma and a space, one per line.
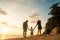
point(24, 2)
point(4, 23)
point(9, 3)
point(34, 16)
point(3, 12)
point(12, 3)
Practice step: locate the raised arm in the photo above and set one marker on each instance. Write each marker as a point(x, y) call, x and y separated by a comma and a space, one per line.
point(35, 26)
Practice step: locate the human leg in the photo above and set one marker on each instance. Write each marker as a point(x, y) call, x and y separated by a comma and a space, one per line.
point(25, 34)
point(40, 31)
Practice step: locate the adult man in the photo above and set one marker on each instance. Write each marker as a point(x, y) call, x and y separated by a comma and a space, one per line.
point(25, 26)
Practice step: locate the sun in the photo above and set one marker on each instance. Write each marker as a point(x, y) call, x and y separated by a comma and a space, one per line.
point(4, 30)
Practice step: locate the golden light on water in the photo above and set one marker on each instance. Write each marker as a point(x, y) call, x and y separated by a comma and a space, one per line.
point(3, 37)
point(4, 31)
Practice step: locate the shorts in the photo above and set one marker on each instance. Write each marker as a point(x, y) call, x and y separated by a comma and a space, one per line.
point(31, 33)
point(25, 30)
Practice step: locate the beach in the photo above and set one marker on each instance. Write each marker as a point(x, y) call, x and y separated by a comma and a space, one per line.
point(38, 37)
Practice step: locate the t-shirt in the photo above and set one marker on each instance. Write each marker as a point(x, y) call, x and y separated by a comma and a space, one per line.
point(25, 26)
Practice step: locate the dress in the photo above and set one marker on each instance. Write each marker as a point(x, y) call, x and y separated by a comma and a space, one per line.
point(39, 25)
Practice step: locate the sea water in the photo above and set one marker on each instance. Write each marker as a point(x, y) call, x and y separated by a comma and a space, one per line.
point(10, 36)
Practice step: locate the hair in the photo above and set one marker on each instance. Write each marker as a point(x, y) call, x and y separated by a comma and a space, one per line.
point(39, 20)
point(31, 27)
point(26, 20)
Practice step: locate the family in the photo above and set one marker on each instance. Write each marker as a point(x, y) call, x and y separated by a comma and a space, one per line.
point(25, 27)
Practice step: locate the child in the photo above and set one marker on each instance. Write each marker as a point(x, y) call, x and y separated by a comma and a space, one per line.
point(31, 33)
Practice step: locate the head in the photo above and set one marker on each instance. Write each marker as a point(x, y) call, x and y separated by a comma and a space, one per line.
point(31, 27)
point(26, 20)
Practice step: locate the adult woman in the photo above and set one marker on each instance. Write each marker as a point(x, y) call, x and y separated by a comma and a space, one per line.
point(39, 26)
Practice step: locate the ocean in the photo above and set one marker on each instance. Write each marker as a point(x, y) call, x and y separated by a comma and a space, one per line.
point(10, 36)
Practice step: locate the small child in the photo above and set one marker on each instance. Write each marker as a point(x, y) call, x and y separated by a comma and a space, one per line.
point(31, 33)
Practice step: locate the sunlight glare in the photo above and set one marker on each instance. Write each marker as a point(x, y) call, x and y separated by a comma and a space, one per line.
point(3, 37)
point(4, 30)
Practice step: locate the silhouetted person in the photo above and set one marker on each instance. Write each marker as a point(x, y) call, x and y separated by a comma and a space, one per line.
point(39, 26)
point(31, 33)
point(25, 26)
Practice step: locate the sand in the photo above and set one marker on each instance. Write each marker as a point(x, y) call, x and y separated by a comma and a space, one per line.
point(38, 37)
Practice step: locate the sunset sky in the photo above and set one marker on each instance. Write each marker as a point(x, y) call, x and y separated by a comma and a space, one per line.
point(17, 11)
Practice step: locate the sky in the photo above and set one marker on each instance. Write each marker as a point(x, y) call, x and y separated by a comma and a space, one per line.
point(20, 10)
